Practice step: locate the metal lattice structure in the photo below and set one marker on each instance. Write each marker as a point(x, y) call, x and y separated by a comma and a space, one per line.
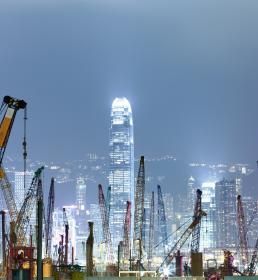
point(49, 222)
point(195, 243)
point(66, 225)
point(108, 201)
point(151, 230)
point(28, 205)
point(252, 266)
point(162, 222)
point(242, 231)
point(144, 228)
point(181, 241)
point(139, 202)
point(105, 226)
point(127, 227)
point(9, 108)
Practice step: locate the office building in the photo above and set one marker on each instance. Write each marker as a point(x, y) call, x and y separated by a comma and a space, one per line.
point(121, 166)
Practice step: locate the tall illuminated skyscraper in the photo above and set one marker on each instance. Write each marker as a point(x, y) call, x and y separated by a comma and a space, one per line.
point(121, 166)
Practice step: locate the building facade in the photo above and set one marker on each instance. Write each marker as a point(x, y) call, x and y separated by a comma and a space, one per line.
point(208, 223)
point(121, 166)
point(19, 190)
point(226, 216)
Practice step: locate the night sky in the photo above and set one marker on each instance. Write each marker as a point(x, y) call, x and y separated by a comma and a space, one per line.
point(189, 69)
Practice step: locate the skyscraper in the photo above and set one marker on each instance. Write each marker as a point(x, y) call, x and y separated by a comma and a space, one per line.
point(121, 166)
point(225, 201)
point(81, 194)
point(208, 233)
point(81, 206)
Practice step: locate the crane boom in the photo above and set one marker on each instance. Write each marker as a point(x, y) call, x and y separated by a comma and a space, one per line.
point(151, 231)
point(195, 243)
point(127, 227)
point(252, 266)
point(242, 231)
point(105, 225)
point(9, 106)
point(49, 224)
point(66, 225)
point(186, 234)
point(27, 207)
point(162, 222)
point(139, 201)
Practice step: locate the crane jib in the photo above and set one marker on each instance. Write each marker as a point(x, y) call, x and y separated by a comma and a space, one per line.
point(5, 126)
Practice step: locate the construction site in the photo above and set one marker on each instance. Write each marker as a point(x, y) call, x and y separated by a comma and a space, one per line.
point(27, 251)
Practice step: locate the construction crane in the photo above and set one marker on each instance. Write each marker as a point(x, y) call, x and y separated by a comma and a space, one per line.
point(66, 225)
point(151, 231)
point(108, 201)
point(105, 225)
point(22, 222)
point(9, 107)
point(127, 228)
point(252, 266)
point(195, 243)
point(181, 241)
point(242, 231)
point(139, 207)
point(162, 222)
point(144, 226)
point(49, 222)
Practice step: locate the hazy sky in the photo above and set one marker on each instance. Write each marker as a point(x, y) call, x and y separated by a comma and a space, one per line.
point(189, 69)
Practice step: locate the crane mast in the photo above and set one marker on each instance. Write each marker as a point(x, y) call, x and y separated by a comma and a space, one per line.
point(151, 231)
point(195, 243)
point(139, 206)
point(105, 225)
point(66, 225)
point(108, 201)
point(127, 227)
point(162, 222)
point(49, 224)
point(242, 231)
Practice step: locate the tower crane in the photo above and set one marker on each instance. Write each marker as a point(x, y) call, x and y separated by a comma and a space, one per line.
point(66, 225)
point(105, 225)
point(242, 231)
point(195, 243)
point(22, 222)
point(151, 231)
point(127, 227)
point(139, 210)
point(49, 224)
point(162, 222)
point(181, 241)
point(9, 107)
point(108, 200)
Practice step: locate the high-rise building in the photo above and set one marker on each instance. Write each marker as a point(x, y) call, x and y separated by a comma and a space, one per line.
point(226, 220)
point(81, 194)
point(208, 223)
point(191, 195)
point(19, 190)
point(121, 166)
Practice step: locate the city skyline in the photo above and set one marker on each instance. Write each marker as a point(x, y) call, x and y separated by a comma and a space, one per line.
point(194, 97)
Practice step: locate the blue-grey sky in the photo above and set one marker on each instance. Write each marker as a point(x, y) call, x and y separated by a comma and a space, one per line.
point(189, 69)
